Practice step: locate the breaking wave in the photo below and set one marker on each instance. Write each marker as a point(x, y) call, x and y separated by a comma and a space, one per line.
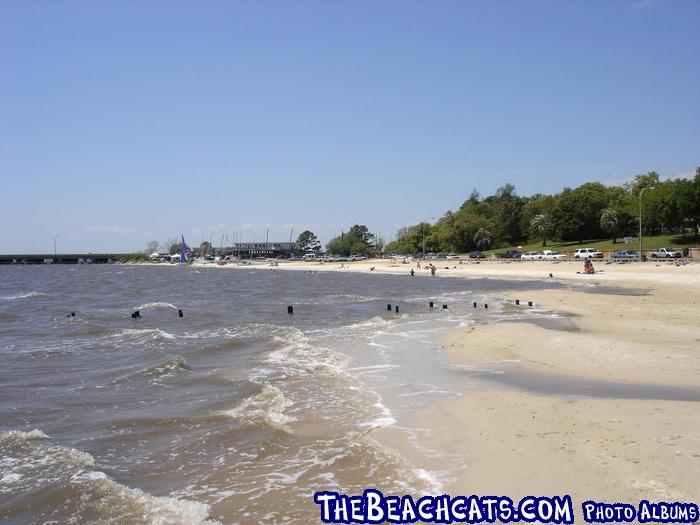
point(21, 435)
point(37, 471)
point(267, 406)
point(297, 356)
point(144, 333)
point(164, 369)
point(155, 306)
point(22, 296)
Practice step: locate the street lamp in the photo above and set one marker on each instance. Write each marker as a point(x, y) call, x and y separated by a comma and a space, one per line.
point(640, 219)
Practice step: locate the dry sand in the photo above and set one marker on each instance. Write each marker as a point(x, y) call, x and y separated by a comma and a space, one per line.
point(628, 274)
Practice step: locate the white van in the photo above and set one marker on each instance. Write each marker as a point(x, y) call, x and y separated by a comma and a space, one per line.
point(310, 257)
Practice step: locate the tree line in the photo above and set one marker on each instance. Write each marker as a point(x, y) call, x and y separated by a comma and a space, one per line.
point(590, 211)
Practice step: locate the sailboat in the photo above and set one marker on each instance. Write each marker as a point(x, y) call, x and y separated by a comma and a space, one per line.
point(184, 251)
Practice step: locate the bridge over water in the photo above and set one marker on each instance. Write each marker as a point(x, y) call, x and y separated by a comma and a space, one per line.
point(61, 258)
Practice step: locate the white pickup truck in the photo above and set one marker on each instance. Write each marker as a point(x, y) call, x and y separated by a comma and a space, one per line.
point(551, 255)
point(666, 253)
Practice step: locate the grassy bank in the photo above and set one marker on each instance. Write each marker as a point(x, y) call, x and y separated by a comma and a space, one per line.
point(674, 240)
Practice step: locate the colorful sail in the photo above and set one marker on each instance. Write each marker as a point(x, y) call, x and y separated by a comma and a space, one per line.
point(183, 250)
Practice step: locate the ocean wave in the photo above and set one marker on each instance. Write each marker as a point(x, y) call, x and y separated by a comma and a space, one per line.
point(33, 470)
point(384, 419)
point(119, 503)
point(352, 298)
point(155, 306)
point(173, 364)
point(162, 370)
point(28, 465)
point(144, 333)
point(252, 330)
point(373, 321)
point(267, 406)
point(22, 296)
point(297, 356)
point(21, 435)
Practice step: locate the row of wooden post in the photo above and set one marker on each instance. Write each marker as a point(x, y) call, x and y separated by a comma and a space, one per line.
point(290, 309)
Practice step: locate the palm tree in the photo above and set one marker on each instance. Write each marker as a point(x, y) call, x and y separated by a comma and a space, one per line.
point(541, 225)
point(610, 222)
point(483, 238)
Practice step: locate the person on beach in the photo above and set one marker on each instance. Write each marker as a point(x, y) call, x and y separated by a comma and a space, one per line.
point(412, 272)
point(588, 266)
point(418, 265)
point(432, 270)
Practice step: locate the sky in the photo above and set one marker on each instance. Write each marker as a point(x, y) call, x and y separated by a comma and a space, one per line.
point(128, 121)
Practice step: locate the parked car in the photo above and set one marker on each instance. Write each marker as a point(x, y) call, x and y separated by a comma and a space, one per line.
point(591, 253)
point(552, 255)
point(625, 255)
point(531, 256)
point(512, 254)
point(666, 253)
point(357, 258)
point(476, 255)
point(453, 257)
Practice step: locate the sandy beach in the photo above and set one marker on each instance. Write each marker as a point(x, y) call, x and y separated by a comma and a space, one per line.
point(595, 411)
point(625, 274)
point(607, 448)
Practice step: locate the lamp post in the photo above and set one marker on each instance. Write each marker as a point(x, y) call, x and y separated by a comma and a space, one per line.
point(640, 219)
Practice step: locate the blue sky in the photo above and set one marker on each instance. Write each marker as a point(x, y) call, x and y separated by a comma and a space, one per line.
point(126, 121)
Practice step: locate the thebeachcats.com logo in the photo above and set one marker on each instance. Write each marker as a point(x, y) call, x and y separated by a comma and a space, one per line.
point(374, 507)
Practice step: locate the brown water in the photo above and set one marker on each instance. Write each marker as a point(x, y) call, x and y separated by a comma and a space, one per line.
point(235, 413)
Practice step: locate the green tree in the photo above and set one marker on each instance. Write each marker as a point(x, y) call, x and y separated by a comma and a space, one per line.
point(410, 239)
point(541, 225)
point(462, 230)
point(577, 212)
point(308, 242)
point(534, 205)
point(483, 239)
point(508, 213)
point(615, 222)
point(358, 240)
point(361, 232)
point(205, 248)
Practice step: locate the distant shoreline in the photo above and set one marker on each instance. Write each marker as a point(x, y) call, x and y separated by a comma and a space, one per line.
point(649, 273)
